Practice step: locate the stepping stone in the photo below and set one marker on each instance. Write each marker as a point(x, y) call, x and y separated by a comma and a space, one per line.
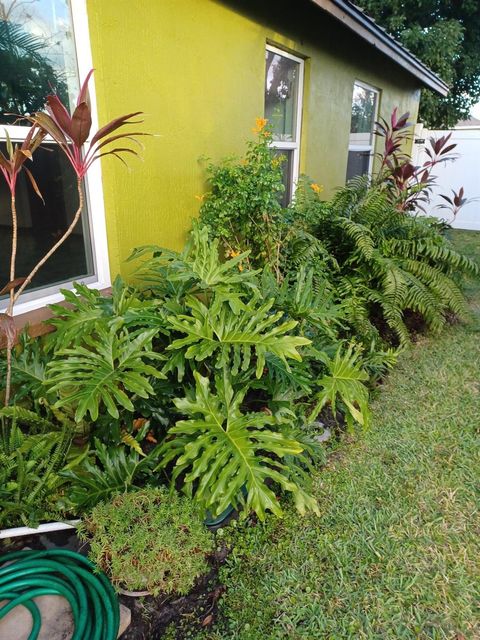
point(57, 621)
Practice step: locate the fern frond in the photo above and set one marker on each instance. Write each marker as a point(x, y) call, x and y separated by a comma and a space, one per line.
point(27, 418)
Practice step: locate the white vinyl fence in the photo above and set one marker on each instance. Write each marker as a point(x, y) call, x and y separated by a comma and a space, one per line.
point(464, 172)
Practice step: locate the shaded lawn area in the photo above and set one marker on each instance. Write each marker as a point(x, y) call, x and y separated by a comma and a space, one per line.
point(396, 551)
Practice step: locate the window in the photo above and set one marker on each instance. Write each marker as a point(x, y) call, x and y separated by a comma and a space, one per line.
point(37, 53)
point(364, 115)
point(283, 109)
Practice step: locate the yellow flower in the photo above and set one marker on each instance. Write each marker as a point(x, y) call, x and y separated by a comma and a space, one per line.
point(318, 188)
point(260, 124)
point(240, 267)
point(200, 198)
point(233, 254)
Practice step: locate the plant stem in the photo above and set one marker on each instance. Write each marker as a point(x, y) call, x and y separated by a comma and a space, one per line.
point(13, 256)
point(67, 233)
point(14, 295)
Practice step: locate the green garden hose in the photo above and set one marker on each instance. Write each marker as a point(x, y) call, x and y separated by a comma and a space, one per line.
point(24, 575)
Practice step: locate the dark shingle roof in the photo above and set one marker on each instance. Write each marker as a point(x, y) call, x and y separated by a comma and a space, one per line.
point(363, 25)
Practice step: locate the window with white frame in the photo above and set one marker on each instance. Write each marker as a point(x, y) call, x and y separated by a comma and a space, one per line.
point(361, 142)
point(283, 109)
point(37, 55)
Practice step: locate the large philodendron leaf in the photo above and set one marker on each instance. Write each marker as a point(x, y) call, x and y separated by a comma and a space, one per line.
point(112, 366)
point(86, 307)
point(197, 267)
point(344, 381)
point(219, 450)
point(233, 339)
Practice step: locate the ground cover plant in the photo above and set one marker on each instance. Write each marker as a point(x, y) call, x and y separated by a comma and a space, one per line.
point(165, 554)
point(395, 552)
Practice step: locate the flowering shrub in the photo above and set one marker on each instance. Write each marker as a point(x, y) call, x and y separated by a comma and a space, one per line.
point(243, 207)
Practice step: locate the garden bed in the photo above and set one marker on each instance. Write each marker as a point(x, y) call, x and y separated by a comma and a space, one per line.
point(395, 553)
point(151, 615)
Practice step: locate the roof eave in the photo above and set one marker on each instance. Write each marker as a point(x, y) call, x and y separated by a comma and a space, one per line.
point(354, 19)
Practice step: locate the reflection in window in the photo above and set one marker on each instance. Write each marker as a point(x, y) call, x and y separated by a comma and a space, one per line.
point(39, 225)
point(283, 109)
point(287, 168)
point(360, 150)
point(281, 95)
point(36, 54)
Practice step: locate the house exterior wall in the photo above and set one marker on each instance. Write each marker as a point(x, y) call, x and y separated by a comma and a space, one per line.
point(196, 69)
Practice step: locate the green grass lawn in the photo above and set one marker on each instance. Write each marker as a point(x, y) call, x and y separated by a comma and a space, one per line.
point(396, 551)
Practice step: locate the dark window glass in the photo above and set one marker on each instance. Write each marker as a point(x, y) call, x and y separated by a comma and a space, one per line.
point(40, 225)
point(287, 175)
point(358, 163)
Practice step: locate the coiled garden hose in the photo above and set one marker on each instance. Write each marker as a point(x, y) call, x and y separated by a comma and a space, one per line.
point(24, 575)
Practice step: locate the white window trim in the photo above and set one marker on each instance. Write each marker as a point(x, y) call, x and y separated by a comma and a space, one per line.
point(293, 146)
point(368, 147)
point(93, 184)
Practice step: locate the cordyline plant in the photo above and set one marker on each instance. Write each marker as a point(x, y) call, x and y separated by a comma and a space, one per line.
point(70, 132)
point(410, 186)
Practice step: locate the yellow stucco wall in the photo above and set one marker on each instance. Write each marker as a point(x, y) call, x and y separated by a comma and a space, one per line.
point(196, 69)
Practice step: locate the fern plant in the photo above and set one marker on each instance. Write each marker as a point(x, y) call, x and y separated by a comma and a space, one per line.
point(30, 466)
point(106, 470)
point(400, 262)
point(219, 449)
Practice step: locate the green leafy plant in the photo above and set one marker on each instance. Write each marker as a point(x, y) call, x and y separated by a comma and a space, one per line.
point(243, 207)
point(30, 466)
point(219, 449)
point(149, 539)
point(107, 371)
point(106, 471)
point(196, 270)
point(390, 263)
point(234, 340)
point(344, 383)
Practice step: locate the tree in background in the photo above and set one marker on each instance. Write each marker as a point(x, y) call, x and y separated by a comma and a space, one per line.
point(445, 35)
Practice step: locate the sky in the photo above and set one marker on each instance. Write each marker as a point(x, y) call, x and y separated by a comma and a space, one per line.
point(476, 111)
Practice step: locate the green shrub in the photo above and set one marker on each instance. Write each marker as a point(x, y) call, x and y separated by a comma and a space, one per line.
point(148, 540)
point(243, 207)
point(390, 263)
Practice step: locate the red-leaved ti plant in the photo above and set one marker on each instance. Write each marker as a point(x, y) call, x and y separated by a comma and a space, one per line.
point(410, 186)
point(11, 165)
point(455, 202)
point(70, 132)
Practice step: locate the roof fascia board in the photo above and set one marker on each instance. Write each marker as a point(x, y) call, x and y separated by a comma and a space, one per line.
point(369, 31)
